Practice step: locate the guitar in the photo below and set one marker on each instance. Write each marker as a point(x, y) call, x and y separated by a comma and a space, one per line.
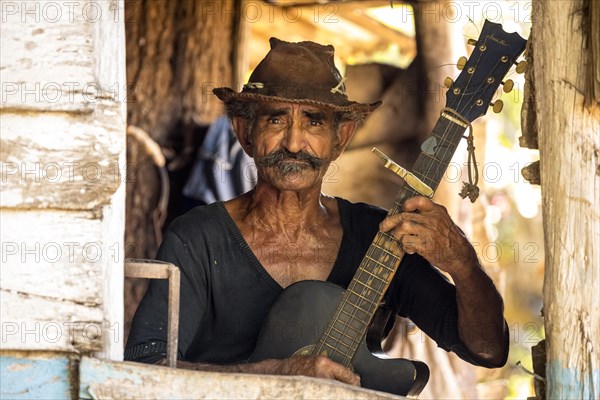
point(342, 317)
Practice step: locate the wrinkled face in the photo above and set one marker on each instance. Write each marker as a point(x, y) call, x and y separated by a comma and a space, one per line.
point(293, 144)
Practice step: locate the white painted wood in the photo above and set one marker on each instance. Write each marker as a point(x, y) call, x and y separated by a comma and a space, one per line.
point(53, 254)
point(58, 160)
point(47, 56)
point(569, 142)
point(32, 322)
point(113, 232)
point(127, 380)
point(62, 169)
point(109, 43)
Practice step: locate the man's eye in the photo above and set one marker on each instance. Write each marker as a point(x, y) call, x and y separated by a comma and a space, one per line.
point(274, 120)
point(315, 122)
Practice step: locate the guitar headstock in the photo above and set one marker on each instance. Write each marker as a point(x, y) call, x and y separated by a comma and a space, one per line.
point(493, 55)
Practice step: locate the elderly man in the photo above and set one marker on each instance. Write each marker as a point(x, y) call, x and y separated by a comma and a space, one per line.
point(237, 257)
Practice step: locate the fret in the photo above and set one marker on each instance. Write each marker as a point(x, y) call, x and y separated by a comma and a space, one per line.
point(376, 262)
point(363, 290)
point(386, 255)
point(373, 275)
point(335, 350)
point(428, 165)
point(444, 139)
point(358, 307)
point(433, 158)
point(368, 287)
point(345, 334)
point(340, 332)
point(341, 340)
point(444, 153)
point(398, 204)
point(353, 338)
point(364, 298)
point(347, 325)
point(388, 237)
point(357, 331)
point(380, 272)
point(385, 250)
point(351, 313)
point(435, 163)
point(448, 131)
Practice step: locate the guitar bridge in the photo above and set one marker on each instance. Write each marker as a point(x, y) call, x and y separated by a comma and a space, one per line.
point(418, 185)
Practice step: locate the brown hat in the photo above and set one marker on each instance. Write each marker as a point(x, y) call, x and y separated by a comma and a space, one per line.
point(301, 72)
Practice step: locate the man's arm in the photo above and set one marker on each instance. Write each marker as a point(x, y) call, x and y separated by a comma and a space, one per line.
point(426, 228)
point(318, 367)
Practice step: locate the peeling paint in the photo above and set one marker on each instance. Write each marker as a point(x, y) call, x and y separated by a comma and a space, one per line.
point(567, 383)
point(35, 378)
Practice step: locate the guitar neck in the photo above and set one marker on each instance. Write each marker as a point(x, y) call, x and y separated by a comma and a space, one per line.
point(349, 323)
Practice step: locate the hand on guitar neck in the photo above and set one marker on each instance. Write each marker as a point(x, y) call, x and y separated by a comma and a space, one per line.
point(425, 227)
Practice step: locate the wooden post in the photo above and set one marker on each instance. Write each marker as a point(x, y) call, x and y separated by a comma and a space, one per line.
point(62, 162)
point(568, 125)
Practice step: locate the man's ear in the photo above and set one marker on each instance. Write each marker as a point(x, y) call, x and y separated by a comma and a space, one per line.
point(345, 132)
point(240, 127)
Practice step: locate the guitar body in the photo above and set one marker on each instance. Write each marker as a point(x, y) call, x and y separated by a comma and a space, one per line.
point(299, 317)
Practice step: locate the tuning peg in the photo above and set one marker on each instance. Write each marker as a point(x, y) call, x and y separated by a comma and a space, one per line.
point(472, 42)
point(521, 66)
point(448, 82)
point(508, 86)
point(497, 106)
point(461, 63)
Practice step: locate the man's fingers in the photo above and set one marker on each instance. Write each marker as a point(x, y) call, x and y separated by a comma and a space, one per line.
point(390, 222)
point(420, 203)
point(343, 374)
point(400, 224)
point(327, 368)
point(411, 244)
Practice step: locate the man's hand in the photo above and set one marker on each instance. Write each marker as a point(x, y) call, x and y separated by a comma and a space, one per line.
point(317, 367)
point(425, 227)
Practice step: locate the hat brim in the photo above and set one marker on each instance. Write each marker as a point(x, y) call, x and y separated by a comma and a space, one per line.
point(228, 95)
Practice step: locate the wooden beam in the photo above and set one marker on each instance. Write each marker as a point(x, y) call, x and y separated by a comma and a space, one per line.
point(154, 269)
point(128, 380)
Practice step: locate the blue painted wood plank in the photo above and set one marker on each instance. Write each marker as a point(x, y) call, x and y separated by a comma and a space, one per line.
point(568, 383)
point(35, 378)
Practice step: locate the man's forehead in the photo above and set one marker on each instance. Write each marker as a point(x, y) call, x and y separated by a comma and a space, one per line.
point(271, 106)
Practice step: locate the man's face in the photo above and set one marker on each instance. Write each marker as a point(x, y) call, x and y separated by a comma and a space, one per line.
point(293, 144)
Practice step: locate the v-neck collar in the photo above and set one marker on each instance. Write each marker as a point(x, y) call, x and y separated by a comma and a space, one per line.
point(239, 238)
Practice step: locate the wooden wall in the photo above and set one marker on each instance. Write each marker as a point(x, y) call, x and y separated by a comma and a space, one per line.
point(62, 157)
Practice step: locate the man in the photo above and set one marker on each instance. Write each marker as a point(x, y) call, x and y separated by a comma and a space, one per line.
point(294, 119)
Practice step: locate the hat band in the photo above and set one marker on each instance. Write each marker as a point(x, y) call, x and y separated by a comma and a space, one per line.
point(334, 95)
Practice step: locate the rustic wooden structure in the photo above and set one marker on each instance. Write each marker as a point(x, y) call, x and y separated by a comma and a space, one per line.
point(563, 116)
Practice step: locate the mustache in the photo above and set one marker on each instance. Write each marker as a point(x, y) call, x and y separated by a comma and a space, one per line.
point(278, 156)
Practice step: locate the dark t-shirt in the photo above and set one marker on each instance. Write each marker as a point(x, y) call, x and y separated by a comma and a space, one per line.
point(226, 292)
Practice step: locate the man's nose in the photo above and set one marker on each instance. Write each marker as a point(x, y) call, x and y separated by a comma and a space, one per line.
point(295, 137)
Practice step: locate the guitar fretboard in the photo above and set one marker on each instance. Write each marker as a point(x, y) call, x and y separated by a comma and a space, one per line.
point(361, 299)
